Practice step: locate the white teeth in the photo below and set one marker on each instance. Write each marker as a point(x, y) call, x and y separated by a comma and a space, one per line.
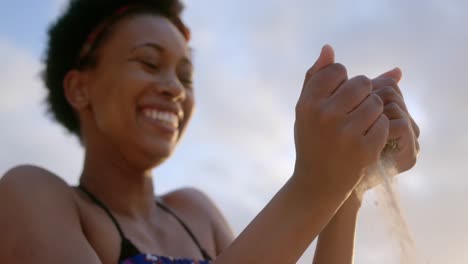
point(167, 117)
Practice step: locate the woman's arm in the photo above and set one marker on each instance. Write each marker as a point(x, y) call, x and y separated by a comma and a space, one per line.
point(334, 145)
point(39, 220)
point(285, 227)
point(336, 242)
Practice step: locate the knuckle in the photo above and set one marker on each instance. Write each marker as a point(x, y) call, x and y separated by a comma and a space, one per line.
point(340, 70)
point(309, 73)
point(411, 161)
point(392, 82)
point(387, 81)
point(363, 81)
point(399, 125)
point(398, 128)
point(386, 93)
point(392, 108)
point(388, 90)
point(406, 123)
point(377, 101)
point(301, 108)
point(397, 97)
point(385, 122)
point(392, 94)
point(417, 131)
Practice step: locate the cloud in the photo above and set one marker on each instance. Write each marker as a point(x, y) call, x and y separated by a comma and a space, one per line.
point(12, 73)
point(250, 59)
point(28, 135)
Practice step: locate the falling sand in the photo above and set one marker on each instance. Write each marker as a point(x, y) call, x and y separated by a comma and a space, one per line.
point(389, 203)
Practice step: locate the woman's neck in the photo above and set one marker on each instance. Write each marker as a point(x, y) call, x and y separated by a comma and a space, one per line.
point(126, 190)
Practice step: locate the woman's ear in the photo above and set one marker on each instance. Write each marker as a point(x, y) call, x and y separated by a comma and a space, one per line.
point(76, 89)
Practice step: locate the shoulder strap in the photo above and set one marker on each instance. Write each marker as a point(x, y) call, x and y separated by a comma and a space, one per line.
point(127, 249)
point(164, 207)
point(104, 207)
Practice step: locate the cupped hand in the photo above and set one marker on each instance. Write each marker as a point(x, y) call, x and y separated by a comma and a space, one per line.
point(340, 127)
point(403, 130)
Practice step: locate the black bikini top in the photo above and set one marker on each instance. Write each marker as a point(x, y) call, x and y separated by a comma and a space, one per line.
point(127, 248)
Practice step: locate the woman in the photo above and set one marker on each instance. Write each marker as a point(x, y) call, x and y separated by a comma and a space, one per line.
point(119, 76)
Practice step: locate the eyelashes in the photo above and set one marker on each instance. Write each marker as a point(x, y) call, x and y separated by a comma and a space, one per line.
point(187, 83)
point(148, 64)
point(153, 67)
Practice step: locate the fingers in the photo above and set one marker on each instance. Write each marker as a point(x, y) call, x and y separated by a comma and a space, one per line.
point(350, 95)
point(399, 122)
point(324, 76)
point(377, 136)
point(388, 91)
point(326, 57)
point(379, 83)
point(394, 111)
point(390, 95)
point(394, 74)
point(365, 115)
point(416, 130)
point(324, 83)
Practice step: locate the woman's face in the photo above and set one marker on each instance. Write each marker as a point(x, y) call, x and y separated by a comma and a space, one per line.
point(140, 91)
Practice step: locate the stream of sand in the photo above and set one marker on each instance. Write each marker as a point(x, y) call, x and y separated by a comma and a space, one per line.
point(389, 204)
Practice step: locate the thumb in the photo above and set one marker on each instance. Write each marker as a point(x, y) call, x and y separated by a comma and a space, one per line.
point(394, 74)
point(327, 57)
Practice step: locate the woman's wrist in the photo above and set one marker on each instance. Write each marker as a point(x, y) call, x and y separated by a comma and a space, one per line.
point(354, 201)
point(312, 188)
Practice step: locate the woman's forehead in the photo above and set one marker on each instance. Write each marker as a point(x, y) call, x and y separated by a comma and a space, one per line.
point(148, 30)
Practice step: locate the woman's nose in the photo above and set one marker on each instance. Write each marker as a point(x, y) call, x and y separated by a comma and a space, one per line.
point(172, 88)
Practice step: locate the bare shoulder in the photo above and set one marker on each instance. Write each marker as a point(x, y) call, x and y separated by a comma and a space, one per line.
point(192, 199)
point(29, 186)
point(42, 214)
point(31, 177)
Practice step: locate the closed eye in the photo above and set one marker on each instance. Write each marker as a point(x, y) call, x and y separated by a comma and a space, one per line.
point(187, 82)
point(146, 63)
point(149, 64)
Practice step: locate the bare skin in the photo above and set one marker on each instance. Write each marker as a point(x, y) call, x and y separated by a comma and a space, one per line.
point(144, 64)
point(336, 243)
point(340, 129)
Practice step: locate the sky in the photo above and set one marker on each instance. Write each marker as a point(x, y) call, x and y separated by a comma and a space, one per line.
point(250, 60)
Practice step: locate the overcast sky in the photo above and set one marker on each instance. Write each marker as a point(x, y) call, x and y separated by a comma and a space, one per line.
point(250, 59)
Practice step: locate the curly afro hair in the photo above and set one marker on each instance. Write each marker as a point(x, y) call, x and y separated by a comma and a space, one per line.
point(72, 30)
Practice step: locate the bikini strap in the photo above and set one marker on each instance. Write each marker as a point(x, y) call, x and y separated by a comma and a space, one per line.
point(104, 207)
point(127, 248)
point(163, 206)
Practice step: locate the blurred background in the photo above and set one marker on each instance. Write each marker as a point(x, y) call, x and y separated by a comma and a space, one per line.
point(250, 59)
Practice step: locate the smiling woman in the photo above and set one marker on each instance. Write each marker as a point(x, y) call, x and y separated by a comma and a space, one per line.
point(119, 76)
point(120, 79)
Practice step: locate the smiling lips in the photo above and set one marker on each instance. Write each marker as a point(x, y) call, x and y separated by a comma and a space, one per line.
point(165, 117)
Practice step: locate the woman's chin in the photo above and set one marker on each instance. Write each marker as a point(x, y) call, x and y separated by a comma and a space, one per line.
point(156, 153)
point(152, 148)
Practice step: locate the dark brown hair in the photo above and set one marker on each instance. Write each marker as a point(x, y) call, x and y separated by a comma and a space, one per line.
point(69, 34)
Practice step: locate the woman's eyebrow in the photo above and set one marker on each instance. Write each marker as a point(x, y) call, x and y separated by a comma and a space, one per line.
point(161, 49)
point(151, 45)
